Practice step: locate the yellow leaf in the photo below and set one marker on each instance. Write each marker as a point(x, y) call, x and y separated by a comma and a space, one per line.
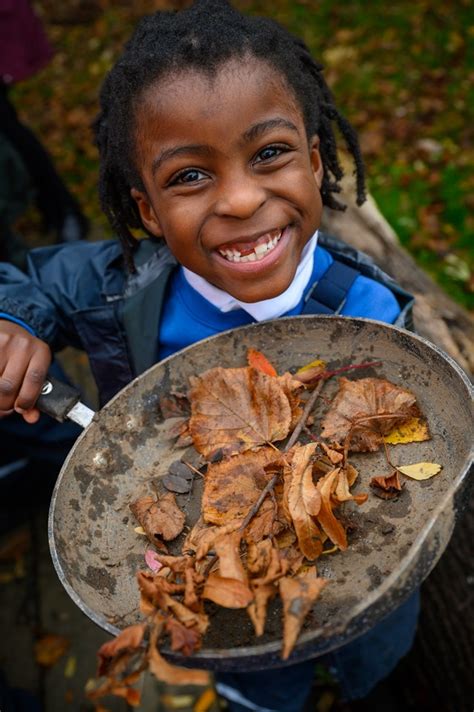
point(205, 701)
point(176, 702)
point(314, 364)
point(70, 668)
point(414, 430)
point(140, 530)
point(420, 470)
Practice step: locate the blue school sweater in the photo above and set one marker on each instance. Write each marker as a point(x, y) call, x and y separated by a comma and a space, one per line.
point(188, 317)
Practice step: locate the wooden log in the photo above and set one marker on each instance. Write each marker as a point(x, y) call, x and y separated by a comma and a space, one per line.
point(437, 317)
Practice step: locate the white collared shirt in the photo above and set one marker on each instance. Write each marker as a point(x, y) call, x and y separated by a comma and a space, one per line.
point(268, 308)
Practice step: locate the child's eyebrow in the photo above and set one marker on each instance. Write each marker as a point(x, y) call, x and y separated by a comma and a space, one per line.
point(262, 127)
point(168, 153)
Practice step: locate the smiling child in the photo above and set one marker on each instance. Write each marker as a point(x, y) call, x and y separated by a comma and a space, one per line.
point(216, 138)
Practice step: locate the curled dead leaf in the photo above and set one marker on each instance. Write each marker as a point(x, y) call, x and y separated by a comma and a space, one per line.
point(303, 500)
point(172, 674)
point(298, 595)
point(227, 592)
point(159, 518)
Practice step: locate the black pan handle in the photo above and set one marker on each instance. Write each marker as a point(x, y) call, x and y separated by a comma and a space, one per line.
point(57, 399)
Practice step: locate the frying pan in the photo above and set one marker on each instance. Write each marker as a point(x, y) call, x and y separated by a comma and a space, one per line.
point(393, 544)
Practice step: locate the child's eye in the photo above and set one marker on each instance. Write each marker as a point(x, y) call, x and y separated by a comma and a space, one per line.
point(269, 152)
point(190, 175)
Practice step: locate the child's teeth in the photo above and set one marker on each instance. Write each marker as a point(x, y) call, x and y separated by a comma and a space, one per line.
point(259, 251)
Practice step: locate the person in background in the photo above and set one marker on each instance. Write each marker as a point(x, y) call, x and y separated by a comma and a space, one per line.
point(24, 50)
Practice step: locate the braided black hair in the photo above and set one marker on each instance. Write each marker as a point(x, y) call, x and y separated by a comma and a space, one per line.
point(203, 37)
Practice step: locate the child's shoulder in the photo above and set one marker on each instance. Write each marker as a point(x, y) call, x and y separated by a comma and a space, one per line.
point(363, 288)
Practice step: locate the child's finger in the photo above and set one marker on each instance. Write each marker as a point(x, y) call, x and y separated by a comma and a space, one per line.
point(31, 416)
point(33, 380)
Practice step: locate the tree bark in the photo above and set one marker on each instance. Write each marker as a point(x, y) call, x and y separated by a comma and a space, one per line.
point(437, 317)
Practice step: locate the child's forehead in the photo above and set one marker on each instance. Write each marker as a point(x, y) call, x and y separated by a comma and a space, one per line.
point(237, 76)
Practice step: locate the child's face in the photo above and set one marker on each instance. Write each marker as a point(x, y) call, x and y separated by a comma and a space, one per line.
point(231, 182)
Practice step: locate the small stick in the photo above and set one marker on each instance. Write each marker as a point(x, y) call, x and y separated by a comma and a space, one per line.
point(304, 417)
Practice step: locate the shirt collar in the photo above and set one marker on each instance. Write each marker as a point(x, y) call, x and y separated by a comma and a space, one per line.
point(268, 308)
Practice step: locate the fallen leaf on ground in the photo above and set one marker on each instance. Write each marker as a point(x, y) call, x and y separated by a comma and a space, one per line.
point(420, 470)
point(387, 487)
point(70, 667)
point(205, 701)
point(160, 518)
point(50, 648)
point(366, 410)
point(237, 409)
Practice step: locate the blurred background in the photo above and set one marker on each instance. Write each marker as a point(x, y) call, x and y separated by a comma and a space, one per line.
point(403, 74)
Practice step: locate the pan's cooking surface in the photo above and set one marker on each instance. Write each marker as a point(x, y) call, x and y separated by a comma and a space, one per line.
point(394, 543)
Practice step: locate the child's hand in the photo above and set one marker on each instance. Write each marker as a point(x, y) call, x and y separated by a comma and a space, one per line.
point(24, 363)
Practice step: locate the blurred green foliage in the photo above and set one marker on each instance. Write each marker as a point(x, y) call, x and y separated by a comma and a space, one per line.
point(403, 74)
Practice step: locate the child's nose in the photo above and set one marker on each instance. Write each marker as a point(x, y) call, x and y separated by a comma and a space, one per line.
point(240, 198)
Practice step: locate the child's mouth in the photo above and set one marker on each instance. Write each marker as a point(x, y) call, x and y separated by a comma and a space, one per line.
point(254, 252)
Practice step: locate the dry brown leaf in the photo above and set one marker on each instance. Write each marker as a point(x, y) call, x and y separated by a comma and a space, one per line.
point(326, 518)
point(227, 548)
point(259, 557)
point(303, 500)
point(227, 592)
point(388, 483)
point(232, 487)
point(257, 610)
point(172, 674)
point(298, 595)
point(128, 641)
point(368, 409)
point(237, 409)
point(160, 518)
point(292, 388)
point(50, 648)
point(183, 639)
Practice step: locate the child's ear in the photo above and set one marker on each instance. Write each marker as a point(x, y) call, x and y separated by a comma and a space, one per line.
point(147, 213)
point(316, 161)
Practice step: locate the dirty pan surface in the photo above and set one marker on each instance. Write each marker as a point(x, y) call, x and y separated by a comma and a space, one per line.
point(393, 546)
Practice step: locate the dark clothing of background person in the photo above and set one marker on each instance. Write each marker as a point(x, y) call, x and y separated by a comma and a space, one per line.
point(24, 50)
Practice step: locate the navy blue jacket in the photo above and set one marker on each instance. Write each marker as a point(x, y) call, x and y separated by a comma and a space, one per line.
point(81, 295)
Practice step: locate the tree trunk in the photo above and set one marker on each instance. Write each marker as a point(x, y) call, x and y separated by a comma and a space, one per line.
point(437, 317)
